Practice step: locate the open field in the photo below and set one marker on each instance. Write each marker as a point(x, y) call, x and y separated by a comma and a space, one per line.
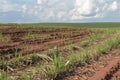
point(64, 25)
point(60, 51)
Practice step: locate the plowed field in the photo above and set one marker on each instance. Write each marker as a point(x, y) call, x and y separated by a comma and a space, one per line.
point(18, 44)
point(33, 40)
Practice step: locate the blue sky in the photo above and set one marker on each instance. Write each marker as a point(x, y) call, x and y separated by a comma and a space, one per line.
point(35, 11)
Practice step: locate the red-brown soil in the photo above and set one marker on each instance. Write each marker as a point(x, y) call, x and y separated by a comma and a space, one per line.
point(56, 37)
point(116, 76)
point(107, 67)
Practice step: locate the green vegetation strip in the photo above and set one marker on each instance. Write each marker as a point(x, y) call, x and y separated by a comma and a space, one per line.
point(79, 58)
point(64, 25)
point(93, 37)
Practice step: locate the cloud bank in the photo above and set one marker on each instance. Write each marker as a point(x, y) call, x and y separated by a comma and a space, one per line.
point(59, 10)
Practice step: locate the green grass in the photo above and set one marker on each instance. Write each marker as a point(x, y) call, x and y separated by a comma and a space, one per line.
point(32, 36)
point(5, 39)
point(64, 25)
point(4, 76)
point(26, 77)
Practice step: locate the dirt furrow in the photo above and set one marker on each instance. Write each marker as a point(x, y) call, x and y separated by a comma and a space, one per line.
point(106, 68)
point(107, 72)
point(116, 76)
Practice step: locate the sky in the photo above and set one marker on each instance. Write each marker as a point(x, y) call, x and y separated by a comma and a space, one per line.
point(39, 11)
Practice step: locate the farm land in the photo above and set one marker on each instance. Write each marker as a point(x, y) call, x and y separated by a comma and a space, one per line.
point(60, 51)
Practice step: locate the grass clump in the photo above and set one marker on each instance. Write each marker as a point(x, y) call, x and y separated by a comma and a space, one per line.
point(58, 67)
point(5, 39)
point(52, 71)
point(4, 76)
point(30, 36)
point(26, 77)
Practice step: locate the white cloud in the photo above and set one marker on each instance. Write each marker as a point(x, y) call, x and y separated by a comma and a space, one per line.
point(84, 8)
point(102, 1)
point(5, 6)
point(24, 8)
point(60, 10)
point(113, 6)
point(39, 1)
point(93, 8)
point(61, 14)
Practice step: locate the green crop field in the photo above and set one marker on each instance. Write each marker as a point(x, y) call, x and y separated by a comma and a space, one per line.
point(62, 25)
